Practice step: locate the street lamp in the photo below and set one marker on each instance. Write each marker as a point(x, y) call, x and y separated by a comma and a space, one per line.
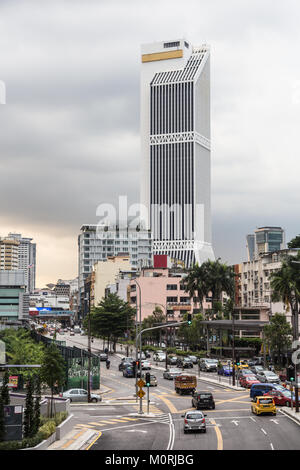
point(296, 337)
point(166, 315)
point(86, 299)
point(136, 332)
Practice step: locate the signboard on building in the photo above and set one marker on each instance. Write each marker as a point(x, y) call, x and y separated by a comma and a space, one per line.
point(13, 381)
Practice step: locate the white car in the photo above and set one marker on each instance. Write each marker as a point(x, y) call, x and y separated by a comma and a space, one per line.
point(146, 365)
point(79, 394)
point(159, 357)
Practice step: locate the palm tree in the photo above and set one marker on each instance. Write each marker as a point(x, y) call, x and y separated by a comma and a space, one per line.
point(211, 278)
point(285, 284)
point(196, 283)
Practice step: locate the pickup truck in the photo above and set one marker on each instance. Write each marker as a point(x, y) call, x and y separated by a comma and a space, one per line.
point(185, 384)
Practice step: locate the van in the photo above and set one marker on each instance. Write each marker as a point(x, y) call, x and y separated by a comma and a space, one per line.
point(260, 389)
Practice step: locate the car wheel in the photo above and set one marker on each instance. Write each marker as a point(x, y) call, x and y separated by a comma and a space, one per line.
point(287, 403)
point(204, 431)
point(213, 407)
point(94, 400)
point(185, 431)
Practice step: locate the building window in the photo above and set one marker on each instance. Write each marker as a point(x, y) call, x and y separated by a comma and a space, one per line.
point(172, 299)
point(171, 286)
point(171, 44)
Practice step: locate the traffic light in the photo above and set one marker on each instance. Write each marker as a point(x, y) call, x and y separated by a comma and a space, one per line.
point(134, 367)
point(147, 379)
point(290, 372)
point(189, 318)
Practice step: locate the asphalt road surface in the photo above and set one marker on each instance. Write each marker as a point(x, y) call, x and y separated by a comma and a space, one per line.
point(231, 426)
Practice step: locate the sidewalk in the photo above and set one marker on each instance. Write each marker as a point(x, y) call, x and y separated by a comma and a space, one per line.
point(291, 413)
point(76, 440)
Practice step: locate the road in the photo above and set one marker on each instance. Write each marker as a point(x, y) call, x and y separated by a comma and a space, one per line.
point(231, 426)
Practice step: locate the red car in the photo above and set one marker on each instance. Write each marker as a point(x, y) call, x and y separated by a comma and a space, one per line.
point(248, 380)
point(282, 397)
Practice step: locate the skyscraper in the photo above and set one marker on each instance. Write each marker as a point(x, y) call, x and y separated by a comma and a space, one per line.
point(175, 146)
point(265, 240)
point(27, 259)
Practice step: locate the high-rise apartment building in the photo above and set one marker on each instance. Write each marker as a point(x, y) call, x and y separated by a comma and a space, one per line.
point(26, 259)
point(9, 254)
point(98, 242)
point(175, 141)
point(265, 240)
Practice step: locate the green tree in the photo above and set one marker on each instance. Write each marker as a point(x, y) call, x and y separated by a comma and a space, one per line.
point(37, 404)
point(285, 284)
point(111, 319)
point(155, 319)
point(295, 242)
point(193, 335)
point(29, 410)
point(2, 428)
point(22, 349)
point(278, 334)
point(196, 283)
point(53, 370)
point(4, 389)
point(212, 278)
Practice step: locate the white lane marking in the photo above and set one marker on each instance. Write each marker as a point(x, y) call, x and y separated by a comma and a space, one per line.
point(136, 430)
point(272, 447)
point(172, 433)
point(263, 431)
point(235, 422)
point(274, 421)
point(251, 417)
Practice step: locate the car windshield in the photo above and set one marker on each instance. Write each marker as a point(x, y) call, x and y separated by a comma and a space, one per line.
point(194, 416)
point(265, 401)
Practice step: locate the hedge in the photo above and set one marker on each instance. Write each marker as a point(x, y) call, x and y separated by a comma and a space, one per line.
point(47, 428)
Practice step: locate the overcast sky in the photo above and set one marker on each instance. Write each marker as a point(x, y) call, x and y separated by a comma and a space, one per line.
point(69, 131)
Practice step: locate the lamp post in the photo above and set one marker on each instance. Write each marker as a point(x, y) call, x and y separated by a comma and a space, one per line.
point(296, 338)
point(136, 331)
point(86, 299)
point(166, 315)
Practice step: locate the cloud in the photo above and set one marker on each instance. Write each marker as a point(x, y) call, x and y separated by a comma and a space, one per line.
point(69, 136)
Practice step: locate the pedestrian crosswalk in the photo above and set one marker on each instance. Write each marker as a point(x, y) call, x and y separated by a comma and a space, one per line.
point(152, 409)
point(125, 420)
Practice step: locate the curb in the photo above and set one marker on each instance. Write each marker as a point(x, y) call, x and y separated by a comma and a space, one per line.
point(287, 412)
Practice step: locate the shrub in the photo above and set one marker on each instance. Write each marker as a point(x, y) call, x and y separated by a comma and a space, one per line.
point(47, 429)
point(60, 417)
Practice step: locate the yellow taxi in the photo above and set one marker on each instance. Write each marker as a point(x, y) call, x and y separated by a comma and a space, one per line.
point(261, 405)
point(242, 365)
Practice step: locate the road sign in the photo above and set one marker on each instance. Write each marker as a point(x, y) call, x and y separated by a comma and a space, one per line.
point(140, 393)
point(141, 383)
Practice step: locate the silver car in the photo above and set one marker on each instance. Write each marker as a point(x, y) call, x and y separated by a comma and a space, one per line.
point(79, 394)
point(194, 421)
point(170, 374)
point(266, 376)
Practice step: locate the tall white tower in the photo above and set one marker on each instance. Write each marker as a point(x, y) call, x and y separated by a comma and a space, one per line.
point(175, 146)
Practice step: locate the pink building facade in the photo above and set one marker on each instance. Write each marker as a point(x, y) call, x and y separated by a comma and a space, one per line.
point(162, 287)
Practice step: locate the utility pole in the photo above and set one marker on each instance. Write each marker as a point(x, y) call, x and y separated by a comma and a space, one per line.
point(177, 324)
point(233, 350)
point(295, 314)
point(89, 351)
